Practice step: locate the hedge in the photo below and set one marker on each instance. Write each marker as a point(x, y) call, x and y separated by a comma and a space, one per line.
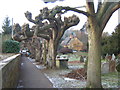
point(11, 46)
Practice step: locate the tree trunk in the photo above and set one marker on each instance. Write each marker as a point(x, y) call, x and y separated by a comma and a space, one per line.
point(32, 51)
point(38, 55)
point(51, 56)
point(44, 52)
point(94, 57)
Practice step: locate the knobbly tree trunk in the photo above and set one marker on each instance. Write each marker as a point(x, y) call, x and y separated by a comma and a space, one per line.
point(52, 52)
point(41, 54)
point(37, 56)
point(32, 51)
point(94, 62)
point(94, 55)
point(44, 51)
point(38, 50)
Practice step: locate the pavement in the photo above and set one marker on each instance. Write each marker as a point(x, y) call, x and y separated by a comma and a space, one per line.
point(31, 77)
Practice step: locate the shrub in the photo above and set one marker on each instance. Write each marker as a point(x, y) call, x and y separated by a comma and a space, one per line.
point(11, 46)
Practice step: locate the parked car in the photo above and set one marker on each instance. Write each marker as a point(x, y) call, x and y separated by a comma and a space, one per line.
point(23, 52)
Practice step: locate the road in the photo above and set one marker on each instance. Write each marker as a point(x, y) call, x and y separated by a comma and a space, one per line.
point(31, 77)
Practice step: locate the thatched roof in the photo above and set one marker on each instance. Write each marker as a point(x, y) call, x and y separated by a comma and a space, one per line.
point(66, 41)
point(75, 44)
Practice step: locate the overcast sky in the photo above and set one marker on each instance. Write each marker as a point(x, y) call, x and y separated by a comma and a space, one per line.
point(16, 8)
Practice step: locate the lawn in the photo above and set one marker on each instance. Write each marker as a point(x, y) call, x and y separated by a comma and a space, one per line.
point(110, 80)
point(76, 56)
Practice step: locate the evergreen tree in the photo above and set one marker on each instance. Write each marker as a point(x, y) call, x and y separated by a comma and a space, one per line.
point(110, 43)
point(116, 40)
point(106, 44)
point(6, 26)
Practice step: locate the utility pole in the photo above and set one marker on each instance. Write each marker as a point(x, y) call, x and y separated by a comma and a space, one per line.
point(1, 42)
point(12, 28)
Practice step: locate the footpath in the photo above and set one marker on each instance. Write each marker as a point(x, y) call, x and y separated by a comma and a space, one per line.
point(31, 77)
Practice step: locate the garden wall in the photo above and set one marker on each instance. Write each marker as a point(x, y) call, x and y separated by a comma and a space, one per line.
point(9, 72)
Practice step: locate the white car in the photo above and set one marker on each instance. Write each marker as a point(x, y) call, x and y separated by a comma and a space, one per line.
point(23, 52)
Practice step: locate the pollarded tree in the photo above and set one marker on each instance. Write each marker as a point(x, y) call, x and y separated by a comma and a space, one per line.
point(96, 24)
point(24, 34)
point(52, 30)
point(23, 37)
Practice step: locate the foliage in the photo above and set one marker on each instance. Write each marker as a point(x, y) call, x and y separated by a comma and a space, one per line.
point(106, 45)
point(118, 67)
point(110, 80)
point(6, 37)
point(116, 39)
point(11, 46)
point(6, 26)
point(110, 43)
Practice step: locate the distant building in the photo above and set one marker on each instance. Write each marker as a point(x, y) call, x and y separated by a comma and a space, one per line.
point(73, 43)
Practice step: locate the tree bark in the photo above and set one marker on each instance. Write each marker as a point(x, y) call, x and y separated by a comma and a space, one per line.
point(94, 55)
point(52, 52)
point(38, 49)
point(32, 51)
point(44, 51)
point(38, 55)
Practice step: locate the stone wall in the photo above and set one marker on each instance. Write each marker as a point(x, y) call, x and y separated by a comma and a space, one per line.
point(10, 71)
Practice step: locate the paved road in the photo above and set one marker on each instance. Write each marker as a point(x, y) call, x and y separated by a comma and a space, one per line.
point(31, 77)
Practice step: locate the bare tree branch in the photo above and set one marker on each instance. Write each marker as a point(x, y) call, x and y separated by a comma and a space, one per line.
point(59, 9)
point(19, 38)
point(76, 10)
point(28, 15)
point(70, 21)
point(46, 27)
point(44, 36)
point(80, 7)
point(99, 5)
point(103, 9)
point(112, 8)
point(90, 6)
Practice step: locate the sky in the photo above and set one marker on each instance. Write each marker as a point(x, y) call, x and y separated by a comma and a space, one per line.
point(16, 8)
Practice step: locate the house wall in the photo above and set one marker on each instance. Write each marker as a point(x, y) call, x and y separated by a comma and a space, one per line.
point(75, 44)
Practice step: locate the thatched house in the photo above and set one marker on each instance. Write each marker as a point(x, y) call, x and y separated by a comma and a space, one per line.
point(73, 43)
point(65, 42)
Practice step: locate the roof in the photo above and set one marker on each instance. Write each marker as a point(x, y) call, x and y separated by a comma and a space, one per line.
point(66, 41)
point(73, 43)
